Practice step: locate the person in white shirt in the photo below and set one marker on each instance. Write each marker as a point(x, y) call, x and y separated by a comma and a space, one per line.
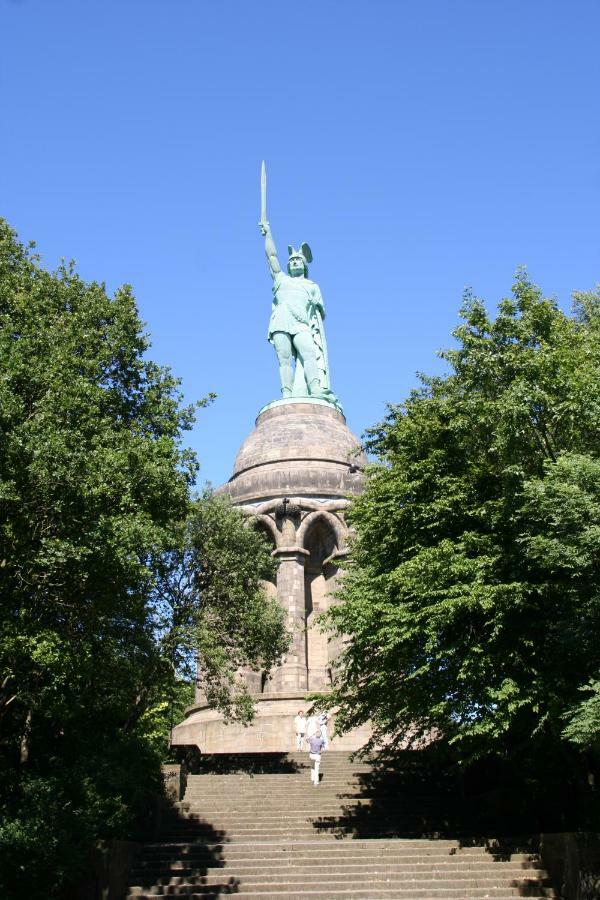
point(300, 728)
point(312, 727)
point(323, 720)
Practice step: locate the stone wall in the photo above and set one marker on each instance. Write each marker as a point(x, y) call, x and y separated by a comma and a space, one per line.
point(572, 860)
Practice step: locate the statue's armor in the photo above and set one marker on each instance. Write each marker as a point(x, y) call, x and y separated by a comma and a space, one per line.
point(292, 302)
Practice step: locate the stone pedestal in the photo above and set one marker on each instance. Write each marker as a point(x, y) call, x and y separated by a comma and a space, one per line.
point(293, 475)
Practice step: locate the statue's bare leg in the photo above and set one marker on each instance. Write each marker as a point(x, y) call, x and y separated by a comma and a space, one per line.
point(285, 354)
point(305, 348)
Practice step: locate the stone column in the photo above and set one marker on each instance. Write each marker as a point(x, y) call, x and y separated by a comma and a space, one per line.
point(292, 674)
point(318, 659)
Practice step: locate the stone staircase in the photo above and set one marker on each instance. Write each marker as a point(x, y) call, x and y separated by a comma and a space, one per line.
point(256, 827)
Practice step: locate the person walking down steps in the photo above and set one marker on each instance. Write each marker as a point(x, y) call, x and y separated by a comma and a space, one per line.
point(300, 728)
point(315, 745)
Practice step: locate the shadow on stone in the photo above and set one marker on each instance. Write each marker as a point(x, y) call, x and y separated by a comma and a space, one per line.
point(178, 863)
point(414, 795)
point(247, 764)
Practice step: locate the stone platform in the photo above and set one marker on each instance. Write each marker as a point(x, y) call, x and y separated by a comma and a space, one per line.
point(271, 732)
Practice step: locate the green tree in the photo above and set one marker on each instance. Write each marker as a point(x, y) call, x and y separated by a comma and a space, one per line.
point(95, 494)
point(210, 605)
point(472, 597)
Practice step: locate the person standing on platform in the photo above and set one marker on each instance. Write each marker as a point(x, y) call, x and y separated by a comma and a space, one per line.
point(315, 745)
point(300, 728)
point(312, 726)
point(323, 720)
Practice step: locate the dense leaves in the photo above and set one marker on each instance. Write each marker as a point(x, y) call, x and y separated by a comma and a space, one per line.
point(95, 500)
point(210, 603)
point(472, 599)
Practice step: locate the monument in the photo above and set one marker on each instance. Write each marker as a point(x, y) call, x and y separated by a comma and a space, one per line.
point(294, 476)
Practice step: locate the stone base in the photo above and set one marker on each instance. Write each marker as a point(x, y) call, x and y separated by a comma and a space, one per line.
point(271, 732)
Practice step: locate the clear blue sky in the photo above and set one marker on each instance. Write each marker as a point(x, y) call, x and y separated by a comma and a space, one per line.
point(418, 146)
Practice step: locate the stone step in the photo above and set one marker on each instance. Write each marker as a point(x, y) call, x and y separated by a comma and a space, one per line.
point(328, 760)
point(393, 825)
point(306, 787)
point(291, 777)
point(249, 778)
point(307, 877)
point(475, 876)
point(276, 834)
point(255, 792)
point(391, 828)
point(356, 813)
point(484, 888)
point(307, 800)
point(235, 834)
point(341, 815)
point(309, 813)
point(251, 788)
point(410, 846)
point(325, 795)
point(181, 869)
point(331, 764)
point(302, 775)
point(322, 854)
point(307, 795)
point(321, 863)
point(300, 761)
point(306, 791)
point(345, 853)
point(333, 772)
point(339, 890)
point(302, 758)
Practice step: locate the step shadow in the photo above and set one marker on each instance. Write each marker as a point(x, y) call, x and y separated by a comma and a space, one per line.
point(411, 796)
point(169, 866)
point(247, 764)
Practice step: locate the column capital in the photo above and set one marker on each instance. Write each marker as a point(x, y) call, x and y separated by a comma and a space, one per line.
point(290, 551)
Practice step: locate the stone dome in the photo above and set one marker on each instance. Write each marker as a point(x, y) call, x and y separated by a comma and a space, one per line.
point(297, 448)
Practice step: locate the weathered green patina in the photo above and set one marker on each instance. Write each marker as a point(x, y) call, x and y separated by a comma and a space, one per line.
point(296, 325)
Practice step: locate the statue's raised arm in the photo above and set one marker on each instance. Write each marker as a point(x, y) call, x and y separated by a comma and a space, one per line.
point(270, 248)
point(265, 228)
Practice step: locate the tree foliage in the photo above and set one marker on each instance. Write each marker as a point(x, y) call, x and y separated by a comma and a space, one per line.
point(211, 606)
point(95, 498)
point(472, 598)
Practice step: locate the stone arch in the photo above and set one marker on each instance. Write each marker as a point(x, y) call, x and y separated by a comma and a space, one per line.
point(266, 526)
point(321, 541)
point(320, 538)
point(309, 522)
point(259, 682)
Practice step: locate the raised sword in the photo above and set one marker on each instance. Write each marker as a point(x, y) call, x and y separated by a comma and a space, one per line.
point(263, 194)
